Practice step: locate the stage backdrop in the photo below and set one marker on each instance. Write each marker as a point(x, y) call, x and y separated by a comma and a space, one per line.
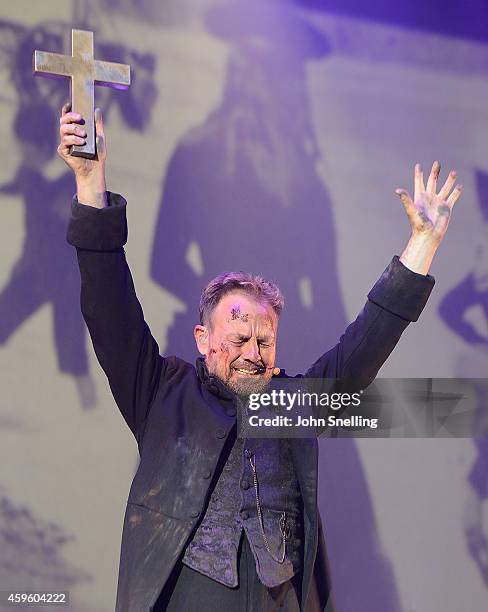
point(265, 136)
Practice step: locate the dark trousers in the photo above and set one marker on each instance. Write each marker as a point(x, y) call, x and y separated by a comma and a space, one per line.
point(190, 591)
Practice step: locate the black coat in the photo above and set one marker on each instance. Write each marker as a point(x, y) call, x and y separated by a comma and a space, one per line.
point(183, 420)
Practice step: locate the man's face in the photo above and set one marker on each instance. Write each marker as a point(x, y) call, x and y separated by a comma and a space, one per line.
point(240, 344)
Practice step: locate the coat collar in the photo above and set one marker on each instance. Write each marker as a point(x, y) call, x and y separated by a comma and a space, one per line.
point(212, 382)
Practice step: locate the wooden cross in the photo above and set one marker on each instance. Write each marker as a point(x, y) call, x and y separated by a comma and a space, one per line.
point(85, 72)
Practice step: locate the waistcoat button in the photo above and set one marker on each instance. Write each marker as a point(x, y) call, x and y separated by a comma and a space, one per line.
point(206, 473)
point(244, 514)
point(231, 411)
point(220, 432)
point(245, 484)
point(194, 512)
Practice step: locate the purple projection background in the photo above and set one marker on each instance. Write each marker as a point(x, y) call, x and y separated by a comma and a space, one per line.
point(267, 136)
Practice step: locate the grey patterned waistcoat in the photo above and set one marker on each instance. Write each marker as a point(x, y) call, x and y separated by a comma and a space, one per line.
point(232, 508)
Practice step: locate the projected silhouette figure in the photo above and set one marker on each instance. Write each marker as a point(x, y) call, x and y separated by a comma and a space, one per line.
point(470, 292)
point(46, 271)
point(242, 192)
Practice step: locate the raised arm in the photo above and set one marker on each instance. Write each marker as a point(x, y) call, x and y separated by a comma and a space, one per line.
point(397, 298)
point(401, 293)
point(125, 348)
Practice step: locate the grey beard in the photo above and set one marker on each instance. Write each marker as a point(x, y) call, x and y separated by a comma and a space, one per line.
point(244, 388)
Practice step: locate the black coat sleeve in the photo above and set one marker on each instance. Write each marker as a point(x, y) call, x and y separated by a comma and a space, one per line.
point(397, 298)
point(123, 343)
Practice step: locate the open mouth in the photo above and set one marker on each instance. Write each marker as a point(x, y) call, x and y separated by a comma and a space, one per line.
point(248, 372)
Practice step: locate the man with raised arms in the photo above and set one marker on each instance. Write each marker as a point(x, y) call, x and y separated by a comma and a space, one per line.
point(214, 521)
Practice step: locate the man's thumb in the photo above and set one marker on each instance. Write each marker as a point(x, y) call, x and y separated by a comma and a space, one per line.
point(98, 119)
point(100, 144)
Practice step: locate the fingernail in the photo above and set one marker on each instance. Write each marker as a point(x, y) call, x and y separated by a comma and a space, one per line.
point(98, 114)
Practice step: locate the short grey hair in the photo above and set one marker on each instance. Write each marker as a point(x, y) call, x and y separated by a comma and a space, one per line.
point(254, 285)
